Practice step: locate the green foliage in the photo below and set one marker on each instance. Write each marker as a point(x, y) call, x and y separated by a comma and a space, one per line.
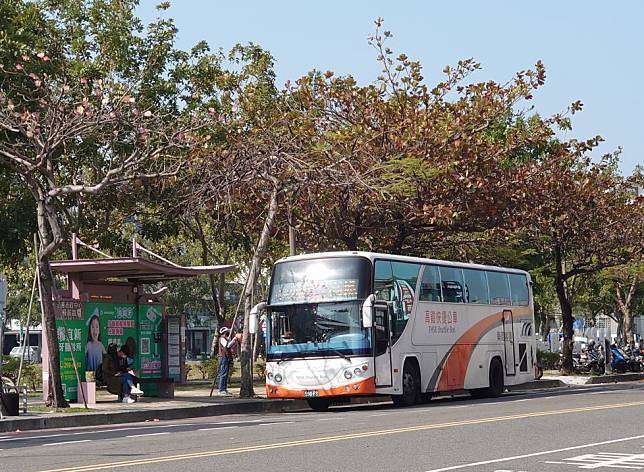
point(548, 360)
point(208, 368)
point(31, 373)
point(260, 368)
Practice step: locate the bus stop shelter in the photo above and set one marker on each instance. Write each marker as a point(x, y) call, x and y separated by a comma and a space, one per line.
point(118, 300)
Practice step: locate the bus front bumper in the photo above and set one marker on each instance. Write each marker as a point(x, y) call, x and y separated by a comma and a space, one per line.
point(363, 387)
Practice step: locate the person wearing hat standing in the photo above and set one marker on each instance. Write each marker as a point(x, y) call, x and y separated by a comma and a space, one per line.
point(227, 344)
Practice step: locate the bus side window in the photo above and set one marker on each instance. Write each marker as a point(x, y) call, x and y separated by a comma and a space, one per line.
point(430, 285)
point(476, 290)
point(519, 289)
point(383, 281)
point(452, 282)
point(405, 279)
point(499, 288)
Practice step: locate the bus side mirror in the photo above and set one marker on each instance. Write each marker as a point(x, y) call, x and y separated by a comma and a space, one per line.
point(367, 312)
point(252, 319)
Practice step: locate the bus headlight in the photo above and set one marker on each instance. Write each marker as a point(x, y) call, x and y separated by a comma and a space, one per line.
point(347, 374)
point(269, 375)
point(357, 371)
point(278, 378)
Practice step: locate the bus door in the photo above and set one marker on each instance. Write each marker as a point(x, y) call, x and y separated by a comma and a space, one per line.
point(508, 338)
point(382, 344)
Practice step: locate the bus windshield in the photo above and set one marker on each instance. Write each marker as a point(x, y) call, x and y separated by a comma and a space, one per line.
point(315, 306)
point(317, 329)
point(320, 280)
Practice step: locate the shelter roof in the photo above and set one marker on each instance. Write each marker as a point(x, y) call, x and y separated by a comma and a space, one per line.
point(134, 269)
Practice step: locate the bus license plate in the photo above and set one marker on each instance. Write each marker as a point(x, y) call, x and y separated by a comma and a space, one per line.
point(311, 393)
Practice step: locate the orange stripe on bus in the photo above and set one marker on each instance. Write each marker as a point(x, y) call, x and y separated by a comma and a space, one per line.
point(454, 367)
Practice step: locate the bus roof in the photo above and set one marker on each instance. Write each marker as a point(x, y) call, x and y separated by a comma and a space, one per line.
point(418, 260)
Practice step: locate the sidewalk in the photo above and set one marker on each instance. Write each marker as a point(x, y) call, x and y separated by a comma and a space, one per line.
point(194, 401)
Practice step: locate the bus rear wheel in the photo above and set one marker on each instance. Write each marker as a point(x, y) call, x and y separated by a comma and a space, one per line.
point(410, 386)
point(319, 404)
point(496, 382)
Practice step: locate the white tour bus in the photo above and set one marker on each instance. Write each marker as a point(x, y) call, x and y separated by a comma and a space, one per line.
point(358, 323)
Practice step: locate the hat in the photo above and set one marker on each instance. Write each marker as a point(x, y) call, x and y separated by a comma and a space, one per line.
point(96, 313)
point(224, 330)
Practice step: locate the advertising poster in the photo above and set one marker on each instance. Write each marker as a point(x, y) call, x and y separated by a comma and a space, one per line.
point(174, 348)
point(105, 324)
point(72, 336)
point(150, 352)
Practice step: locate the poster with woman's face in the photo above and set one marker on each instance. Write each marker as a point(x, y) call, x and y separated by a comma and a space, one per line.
point(94, 348)
point(108, 323)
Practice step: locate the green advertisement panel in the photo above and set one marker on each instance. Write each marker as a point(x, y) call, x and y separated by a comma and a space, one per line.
point(108, 323)
point(72, 335)
point(85, 330)
point(150, 348)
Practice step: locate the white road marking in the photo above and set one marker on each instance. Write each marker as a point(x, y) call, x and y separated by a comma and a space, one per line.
point(67, 442)
point(331, 419)
point(605, 459)
point(234, 422)
point(276, 422)
point(218, 429)
point(146, 435)
point(130, 428)
point(458, 406)
point(381, 414)
point(535, 454)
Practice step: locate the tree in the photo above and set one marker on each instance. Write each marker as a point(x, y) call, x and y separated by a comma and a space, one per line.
point(74, 123)
point(626, 286)
point(585, 216)
point(425, 161)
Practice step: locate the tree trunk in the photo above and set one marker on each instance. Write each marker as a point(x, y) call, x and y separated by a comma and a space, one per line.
point(56, 398)
point(566, 314)
point(291, 228)
point(624, 304)
point(246, 390)
point(205, 260)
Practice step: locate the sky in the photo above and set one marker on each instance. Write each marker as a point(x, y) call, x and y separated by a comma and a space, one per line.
point(593, 50)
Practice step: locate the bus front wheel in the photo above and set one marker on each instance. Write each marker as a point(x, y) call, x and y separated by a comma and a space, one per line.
point(319, 404)
point(410, 386)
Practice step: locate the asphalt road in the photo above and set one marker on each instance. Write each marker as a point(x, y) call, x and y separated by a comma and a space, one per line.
point(597, 427)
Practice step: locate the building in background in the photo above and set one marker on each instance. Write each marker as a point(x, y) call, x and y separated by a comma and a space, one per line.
point(14, 332)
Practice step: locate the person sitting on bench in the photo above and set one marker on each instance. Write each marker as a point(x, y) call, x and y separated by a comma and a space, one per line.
point(118, 376)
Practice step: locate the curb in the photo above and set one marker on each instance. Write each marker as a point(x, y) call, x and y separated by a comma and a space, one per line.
point(615, 378)
point(97, 419)
point(537, 384)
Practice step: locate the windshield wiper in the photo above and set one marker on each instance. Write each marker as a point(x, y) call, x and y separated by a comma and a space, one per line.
point(343, 356)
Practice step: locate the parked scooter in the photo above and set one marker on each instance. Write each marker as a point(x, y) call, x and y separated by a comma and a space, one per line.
point(592, 360)
point(619, 362)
